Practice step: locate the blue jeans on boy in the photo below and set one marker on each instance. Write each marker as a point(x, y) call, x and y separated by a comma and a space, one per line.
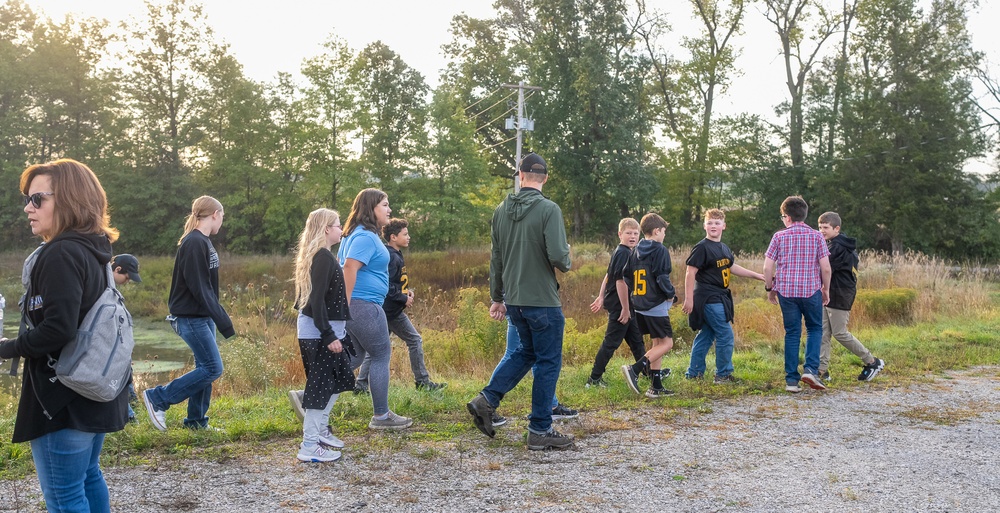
point(793, 311)
point(195, 386)
point(540, 330)
point(66, 462)
point(715, 328)
point(514, 342)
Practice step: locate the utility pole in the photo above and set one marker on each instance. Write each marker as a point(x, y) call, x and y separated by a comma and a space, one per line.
point(520, 123)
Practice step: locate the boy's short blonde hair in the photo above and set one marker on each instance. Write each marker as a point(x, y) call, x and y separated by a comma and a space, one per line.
point(715, 213)
point(651, 222)
point(626, 223)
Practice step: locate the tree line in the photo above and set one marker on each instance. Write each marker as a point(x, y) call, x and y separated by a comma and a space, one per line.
point(879, 121)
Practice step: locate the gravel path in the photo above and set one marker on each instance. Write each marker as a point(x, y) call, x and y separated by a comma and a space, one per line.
point(931, 446)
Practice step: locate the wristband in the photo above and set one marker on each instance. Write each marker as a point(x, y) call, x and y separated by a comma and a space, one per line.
point(767, 289)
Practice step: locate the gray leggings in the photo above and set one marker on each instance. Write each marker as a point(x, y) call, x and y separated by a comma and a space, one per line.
point(370, 334)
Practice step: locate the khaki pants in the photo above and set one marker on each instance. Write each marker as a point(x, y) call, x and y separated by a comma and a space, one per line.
point(835, 324)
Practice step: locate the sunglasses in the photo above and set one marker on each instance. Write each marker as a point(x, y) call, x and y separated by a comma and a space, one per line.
point(36, 198)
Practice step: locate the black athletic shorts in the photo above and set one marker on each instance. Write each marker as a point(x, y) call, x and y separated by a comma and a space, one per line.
point(655, 327)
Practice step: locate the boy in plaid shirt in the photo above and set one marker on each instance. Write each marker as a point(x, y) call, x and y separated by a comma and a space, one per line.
point(797, 277)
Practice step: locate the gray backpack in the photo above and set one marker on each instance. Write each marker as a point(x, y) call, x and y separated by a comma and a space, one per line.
point(97, 364)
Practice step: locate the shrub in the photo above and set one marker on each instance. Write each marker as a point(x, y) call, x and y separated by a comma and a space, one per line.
point(883, 307)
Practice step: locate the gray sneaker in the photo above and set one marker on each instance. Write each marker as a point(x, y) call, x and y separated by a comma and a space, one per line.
point(393, 421)
point(328, 439)
point(813, 382)
point(482, 414)
point(295, 397)
point(551, 440)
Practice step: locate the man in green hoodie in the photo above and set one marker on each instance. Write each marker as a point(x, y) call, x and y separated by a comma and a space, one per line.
point(529, 243)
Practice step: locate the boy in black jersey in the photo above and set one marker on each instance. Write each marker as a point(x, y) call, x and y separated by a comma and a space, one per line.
point(614, 297)
point(708, 300)
point(397, 236)
point(652, 297)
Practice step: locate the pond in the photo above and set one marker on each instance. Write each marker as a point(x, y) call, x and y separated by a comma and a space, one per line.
point(158, 350)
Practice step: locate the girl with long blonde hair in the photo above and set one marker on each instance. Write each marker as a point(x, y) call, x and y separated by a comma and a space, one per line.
point(321, 298)
point(195, 313)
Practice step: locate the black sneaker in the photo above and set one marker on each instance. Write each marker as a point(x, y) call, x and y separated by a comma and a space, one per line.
point(551, 440)
point(430, 386)
point(726, 380)
point(482, 414)
point(631, 378)
point(596, 383)
point(655, 393)
point(561, 412)
point(694, 376)
point(871, 370)
point(825, 377)
point(360, 389)
point(498, 420)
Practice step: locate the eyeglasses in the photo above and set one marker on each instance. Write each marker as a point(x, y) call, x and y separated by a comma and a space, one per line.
point(36, 198)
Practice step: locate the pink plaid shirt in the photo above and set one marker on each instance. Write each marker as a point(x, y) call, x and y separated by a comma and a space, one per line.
point(796, 251)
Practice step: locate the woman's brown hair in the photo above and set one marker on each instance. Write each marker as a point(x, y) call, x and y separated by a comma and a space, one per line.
point(81, 204)
point(363, 211)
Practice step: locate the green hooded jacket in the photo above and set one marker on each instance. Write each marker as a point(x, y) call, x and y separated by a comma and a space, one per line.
point(529, 243)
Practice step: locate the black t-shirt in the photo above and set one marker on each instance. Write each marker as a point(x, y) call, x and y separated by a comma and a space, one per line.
point(620, 268)
point(713, 260)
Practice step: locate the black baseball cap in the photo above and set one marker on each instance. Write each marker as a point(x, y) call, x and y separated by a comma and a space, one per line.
point(129, 265)
point(532, 163)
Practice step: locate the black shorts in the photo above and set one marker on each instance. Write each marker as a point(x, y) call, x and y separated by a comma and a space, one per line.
point(655, 327)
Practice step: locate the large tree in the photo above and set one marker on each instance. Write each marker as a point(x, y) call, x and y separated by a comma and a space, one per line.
point(910, 127)
point(390, 111)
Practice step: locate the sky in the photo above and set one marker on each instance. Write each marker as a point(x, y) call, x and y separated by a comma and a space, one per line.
point(268, 37)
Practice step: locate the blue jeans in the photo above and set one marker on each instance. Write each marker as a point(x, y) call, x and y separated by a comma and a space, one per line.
point(514, 342)
point(793, 311)
point(66, 462)
point(540, 330)
point(195, 386)
point(715, 328)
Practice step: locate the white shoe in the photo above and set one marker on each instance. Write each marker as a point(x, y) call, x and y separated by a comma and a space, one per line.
point(317, 454)
point(793, 389)
point(157, 417)
point(330, 440)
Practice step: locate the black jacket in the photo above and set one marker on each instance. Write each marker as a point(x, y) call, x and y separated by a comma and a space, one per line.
point(194, 289)
point(652, 282)
point(395, 300)
point(67, 278)
point(844, 264)
point(328, 298)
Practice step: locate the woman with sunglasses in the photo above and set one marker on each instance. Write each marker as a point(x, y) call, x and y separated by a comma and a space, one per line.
point(68, 209)
point(195, 313)
point(365, 260)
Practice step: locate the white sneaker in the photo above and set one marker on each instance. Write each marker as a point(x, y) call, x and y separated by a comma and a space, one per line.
point(295, 397)
point(793, 389)
point(317, 454)
point(330, 440)
point(157, 417)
